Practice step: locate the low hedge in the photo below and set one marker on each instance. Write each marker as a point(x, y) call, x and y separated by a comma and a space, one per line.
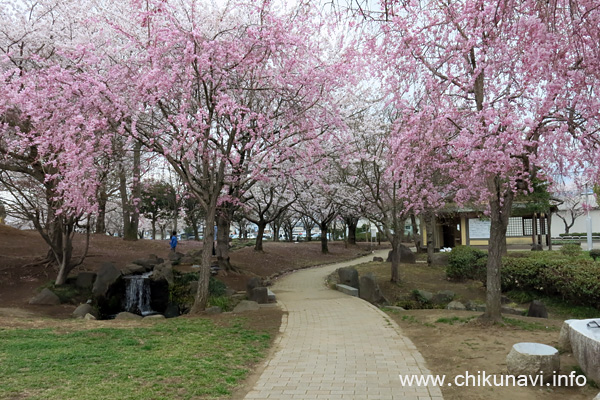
point(576, 280)
point(572, 276)
point(466, 262)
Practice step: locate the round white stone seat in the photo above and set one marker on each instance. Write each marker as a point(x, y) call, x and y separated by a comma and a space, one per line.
point(533, 359)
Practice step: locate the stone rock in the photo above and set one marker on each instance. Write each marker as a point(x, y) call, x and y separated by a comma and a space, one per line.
point(175, 256)
point(46, 297)
point(456, 305)
point(189, 260)
point(150, 262)
point(406, 256)
point(259, 295)
point(133, 269)
point(584, 341)
point(172, 311)
point(246, 305)
point(163, 271)
point(537, 309)
point(537, 247)
point(349, 290)
point(213, 310)
point(505, 300)
point(271, 296)
point(395, 308)
point(368, 289)
point(83, 309)
point(154, 316)
point(423, 296)
point(127, 316)
point(195, 253)
point(89, 317)
point(440, 258)
point(348, 276)
point(512, 310)
point(475, 306)
point(443, 297)
point(85, 280)
point(564, 341)
point(107, 275)
point(251, 284)
point(597, 397)
point(533, 359)
point(377, 259)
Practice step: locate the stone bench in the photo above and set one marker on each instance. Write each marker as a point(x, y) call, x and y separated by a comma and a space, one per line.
point(533, 359)
point(584, 342)
point(347, 289)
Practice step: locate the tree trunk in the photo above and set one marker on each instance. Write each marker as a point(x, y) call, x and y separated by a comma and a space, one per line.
point(259, 236)
point(101, 218)
point(153, 229)
point(64, 264)
point(549, 230)
point(207, 243)
point(500, 207)
point(276, 229)
point(131, 215)
point(324, 248)
point(222, 245)
point(352, 223)
point(415, 232)
point(395, 258)
point(429, 226)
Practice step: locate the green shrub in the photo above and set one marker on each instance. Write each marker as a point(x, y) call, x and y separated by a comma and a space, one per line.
point(595, 254)
point(223, 302)
point(571, 249)
point(466, 262)
point(216, 287)
point(576, 280)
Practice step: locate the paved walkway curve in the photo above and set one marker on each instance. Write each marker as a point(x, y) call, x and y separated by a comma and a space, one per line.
point(334, 346)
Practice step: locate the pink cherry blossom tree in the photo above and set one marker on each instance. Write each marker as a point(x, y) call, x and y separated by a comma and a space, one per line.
point(511, 79)
point(225, 93)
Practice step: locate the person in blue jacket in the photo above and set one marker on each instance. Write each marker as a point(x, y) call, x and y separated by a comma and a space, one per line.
point(173, 241)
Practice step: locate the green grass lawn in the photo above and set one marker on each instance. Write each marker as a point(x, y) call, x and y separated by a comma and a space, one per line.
point(184, 358)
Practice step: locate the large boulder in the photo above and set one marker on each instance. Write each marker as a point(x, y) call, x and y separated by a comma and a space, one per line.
point(251, 284)
point(422, 296)
point(128, 316)
point(533, 359)
point(582, 338)
point(175, 257)
point(163, 271)
point(369, 289)
point(537, 309)
point(133, 269)
point(443, 297)
point(456, 305)
point(46, 297)
point(246, 305)
point(348, 276)
point(83, 309)
point(107, 275)
point(150, 262)
point(85, 280)
point(406, 256)
point(259, 295)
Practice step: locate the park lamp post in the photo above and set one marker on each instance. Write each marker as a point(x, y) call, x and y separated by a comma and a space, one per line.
point(589, 219)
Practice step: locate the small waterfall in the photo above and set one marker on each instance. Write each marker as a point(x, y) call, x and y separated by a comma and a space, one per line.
point(137, 294)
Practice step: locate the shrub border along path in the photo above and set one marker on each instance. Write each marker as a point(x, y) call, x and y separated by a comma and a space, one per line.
point(334, 346)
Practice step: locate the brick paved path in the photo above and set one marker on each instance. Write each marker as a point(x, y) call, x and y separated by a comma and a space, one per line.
point(334, 346)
